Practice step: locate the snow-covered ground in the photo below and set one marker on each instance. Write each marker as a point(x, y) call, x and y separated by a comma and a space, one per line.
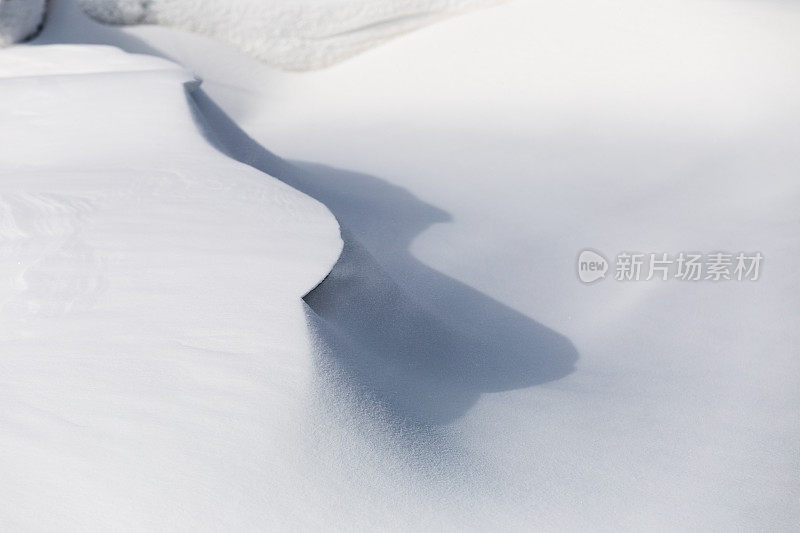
point(452, 372)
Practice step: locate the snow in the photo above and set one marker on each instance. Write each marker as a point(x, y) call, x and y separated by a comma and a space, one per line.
point(19, 19)
point(451, 372)
point(295, 35)
point(152, 334)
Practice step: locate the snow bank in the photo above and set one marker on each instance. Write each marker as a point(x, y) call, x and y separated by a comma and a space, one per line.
point(471, 163)
point(154, 360)
point(292, 35)
point(20, 19)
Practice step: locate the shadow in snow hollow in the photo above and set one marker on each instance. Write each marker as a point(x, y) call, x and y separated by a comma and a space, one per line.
point(423, 368)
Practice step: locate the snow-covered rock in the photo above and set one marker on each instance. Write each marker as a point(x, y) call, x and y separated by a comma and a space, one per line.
point(20, 19)
point(292, 34)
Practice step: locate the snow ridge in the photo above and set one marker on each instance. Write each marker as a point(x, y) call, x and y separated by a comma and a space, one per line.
point(149, 282)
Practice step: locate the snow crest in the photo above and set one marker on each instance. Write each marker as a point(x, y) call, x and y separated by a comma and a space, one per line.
point(153, 334)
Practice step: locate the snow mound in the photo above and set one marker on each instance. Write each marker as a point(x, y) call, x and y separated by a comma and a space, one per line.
point(19, 19)
point(291, 35)
point(470, 163)
point(154, 358)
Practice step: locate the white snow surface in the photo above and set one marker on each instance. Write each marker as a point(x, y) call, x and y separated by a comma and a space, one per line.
point(19, 19)
point(454, 373)
point(296, 34)
point(154, 355)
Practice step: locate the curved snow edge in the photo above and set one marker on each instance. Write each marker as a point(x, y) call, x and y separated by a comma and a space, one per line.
point(227, 137)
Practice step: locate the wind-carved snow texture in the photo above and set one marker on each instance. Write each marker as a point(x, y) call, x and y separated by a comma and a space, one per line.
point(295, 35)
point(20, 19)
point(153, 348)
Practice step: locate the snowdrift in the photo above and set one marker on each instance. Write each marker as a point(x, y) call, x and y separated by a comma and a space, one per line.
point(451, 372)
point(469, 164)
point(153, 353)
